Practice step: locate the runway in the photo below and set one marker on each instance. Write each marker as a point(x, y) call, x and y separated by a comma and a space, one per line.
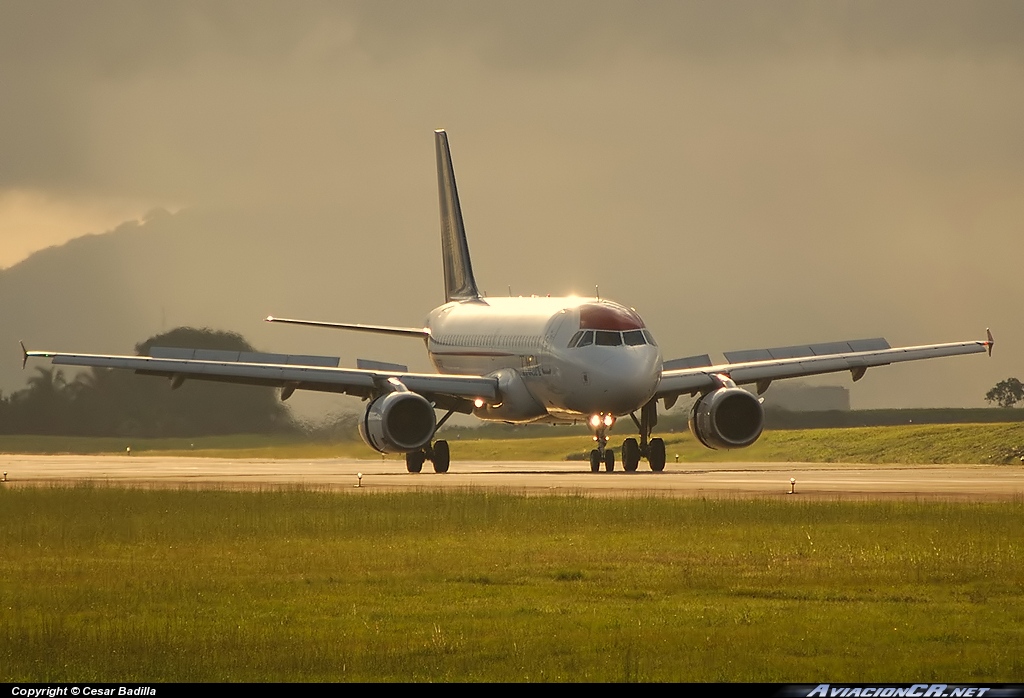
point(758, 480)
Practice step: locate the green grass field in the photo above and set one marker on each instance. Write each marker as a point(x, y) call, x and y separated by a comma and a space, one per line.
point(107, 584)
point(931, 443)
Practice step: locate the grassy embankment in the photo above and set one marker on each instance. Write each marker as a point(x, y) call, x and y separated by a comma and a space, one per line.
point(933, 443)
point(130, 585)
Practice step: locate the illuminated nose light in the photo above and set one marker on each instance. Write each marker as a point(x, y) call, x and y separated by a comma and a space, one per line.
point(479, 402)
point(595, 420)
point(609, 420)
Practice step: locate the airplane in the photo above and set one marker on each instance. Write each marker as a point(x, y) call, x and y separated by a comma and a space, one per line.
point(526, 360)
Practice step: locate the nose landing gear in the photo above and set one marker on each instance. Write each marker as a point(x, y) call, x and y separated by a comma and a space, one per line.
point(600, 423)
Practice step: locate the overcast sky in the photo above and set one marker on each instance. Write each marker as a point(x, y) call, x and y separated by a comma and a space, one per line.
point(744, 174)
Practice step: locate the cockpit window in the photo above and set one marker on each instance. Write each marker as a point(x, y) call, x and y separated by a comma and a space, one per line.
point(608, 339)
point(634, 338)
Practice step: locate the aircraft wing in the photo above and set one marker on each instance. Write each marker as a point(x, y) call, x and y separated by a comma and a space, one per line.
point(762, 366)
point(288, 372)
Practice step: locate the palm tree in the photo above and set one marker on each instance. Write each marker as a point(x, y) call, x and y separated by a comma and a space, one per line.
point(44, 404)
point(47, 385)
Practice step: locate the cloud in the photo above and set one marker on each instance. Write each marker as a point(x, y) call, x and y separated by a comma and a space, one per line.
point(181, 100)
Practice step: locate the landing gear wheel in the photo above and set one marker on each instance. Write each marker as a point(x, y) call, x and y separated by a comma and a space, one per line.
point(414, 461)
point(442, 457)
point(630, 455)
point(595, 461)
point(609, 460)
point(656, 455)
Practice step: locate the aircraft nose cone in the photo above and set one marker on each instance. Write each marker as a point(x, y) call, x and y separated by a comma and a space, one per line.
point(624, 382)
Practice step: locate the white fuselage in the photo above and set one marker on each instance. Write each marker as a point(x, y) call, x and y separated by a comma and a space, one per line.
point(555, 358)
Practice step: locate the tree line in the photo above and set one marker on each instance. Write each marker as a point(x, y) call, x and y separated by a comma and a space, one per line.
point(111, 402)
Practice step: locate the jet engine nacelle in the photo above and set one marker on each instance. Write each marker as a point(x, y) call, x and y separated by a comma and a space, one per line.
point(398, 422)
point(727, 418)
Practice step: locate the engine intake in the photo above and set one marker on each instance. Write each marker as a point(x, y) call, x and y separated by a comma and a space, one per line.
point(727, 418)
point(398, 422)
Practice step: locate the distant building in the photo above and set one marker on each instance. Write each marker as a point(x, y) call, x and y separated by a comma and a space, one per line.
point(801, 397)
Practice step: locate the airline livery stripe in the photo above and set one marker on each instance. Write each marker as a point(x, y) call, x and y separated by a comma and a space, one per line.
point(472, 353)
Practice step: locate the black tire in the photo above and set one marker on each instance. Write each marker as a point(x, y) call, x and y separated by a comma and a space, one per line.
point(656, 455)
point(630, 455)
point(609, 460)
point(595, 461)
point(442, 457)
point(414, 461)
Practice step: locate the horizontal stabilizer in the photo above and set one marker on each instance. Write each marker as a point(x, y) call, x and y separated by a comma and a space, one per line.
point(800, 350)
point(688, 362)
point(370, 365)
point(245, 357)
point(421, 332)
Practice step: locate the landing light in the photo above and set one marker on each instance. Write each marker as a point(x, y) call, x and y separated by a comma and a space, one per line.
point(595, 420)
point(479, 402)
point(609, 420)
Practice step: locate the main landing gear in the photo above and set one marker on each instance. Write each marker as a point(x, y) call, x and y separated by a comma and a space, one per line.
point(632, 449)
point(651, 449)
point(438, 454)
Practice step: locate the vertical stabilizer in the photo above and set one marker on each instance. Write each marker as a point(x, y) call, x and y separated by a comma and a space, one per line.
point(459, 283)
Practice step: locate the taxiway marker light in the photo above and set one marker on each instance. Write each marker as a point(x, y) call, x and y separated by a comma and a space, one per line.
point(792, 485)
point(359, 477)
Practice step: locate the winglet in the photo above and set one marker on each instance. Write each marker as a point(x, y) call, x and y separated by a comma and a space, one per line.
point(459, 283)
point(24, 355)
point(991, 342)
